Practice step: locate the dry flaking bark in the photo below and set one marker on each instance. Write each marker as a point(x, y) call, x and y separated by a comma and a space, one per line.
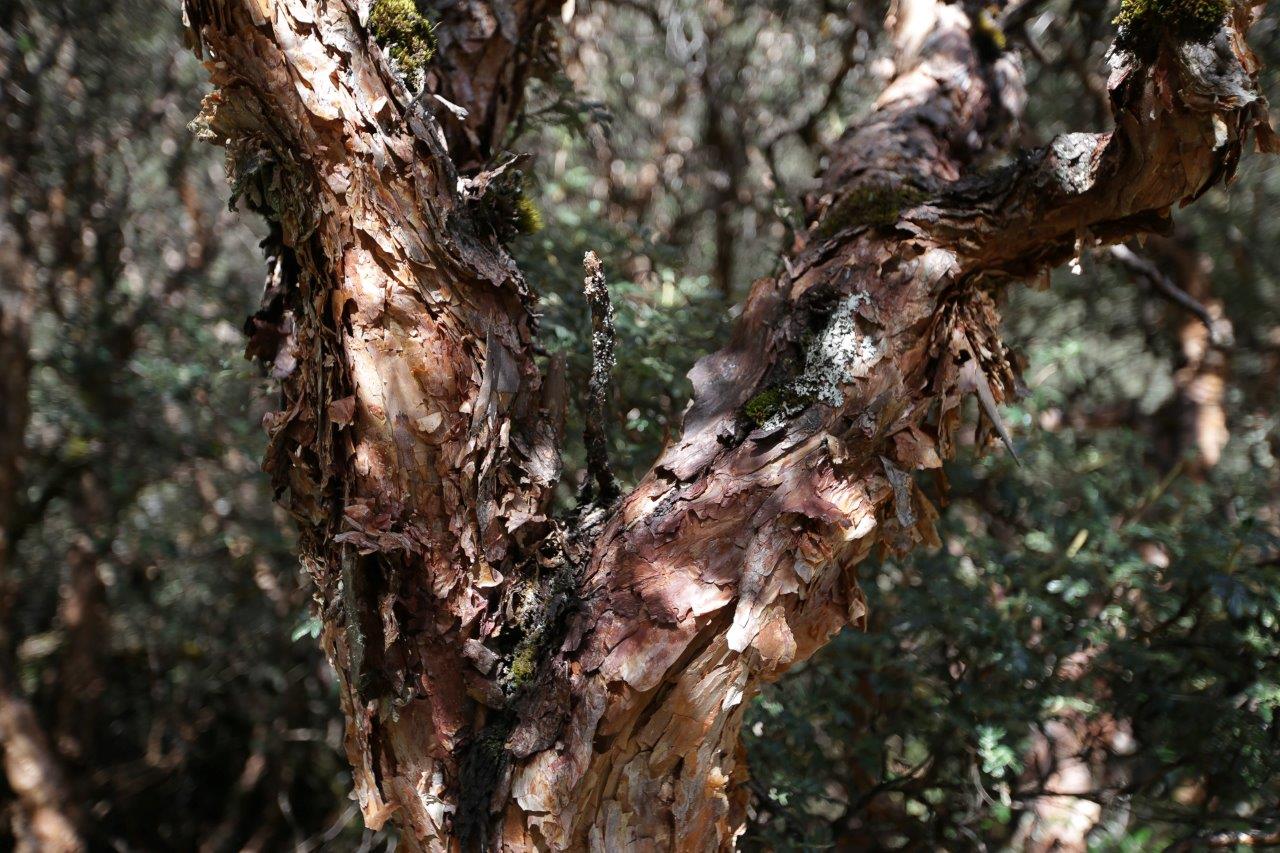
point(516, 682)
point(487, 52)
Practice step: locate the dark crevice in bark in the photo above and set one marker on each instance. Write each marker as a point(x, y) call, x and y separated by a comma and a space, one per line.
point(530, 712)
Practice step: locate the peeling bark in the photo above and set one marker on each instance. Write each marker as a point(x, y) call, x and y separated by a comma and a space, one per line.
point(487, 53)
point(517, 682)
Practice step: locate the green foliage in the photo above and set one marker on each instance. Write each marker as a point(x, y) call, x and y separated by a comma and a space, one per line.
point(665, 317)
point(193, 712)
point(406, 34)
point(1077, 587)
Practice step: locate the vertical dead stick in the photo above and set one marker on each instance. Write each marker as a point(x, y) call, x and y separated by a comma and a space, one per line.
point(603, 337)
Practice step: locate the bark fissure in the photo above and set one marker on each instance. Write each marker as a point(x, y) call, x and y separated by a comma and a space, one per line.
point(516, 682)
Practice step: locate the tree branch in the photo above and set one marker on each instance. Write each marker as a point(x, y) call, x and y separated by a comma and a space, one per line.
point(603, 338)
point(1182, 119)
point(596, 684)
point(1163, 285)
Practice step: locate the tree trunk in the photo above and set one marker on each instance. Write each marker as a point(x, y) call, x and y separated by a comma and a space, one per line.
point(517, 681)
point(1201, 378)
point(42, 816)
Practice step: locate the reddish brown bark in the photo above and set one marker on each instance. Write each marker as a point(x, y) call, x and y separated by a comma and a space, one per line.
point(487, 52)
point(521, 683)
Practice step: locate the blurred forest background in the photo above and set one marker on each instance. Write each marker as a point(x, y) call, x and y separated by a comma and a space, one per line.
point(1092, 658)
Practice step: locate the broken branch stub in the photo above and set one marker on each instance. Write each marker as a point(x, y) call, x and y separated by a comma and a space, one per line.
point(603, 341)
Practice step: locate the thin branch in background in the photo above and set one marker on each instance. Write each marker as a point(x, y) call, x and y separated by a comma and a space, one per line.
point(603, 340)
point(1163, 285)
point(1019, 13)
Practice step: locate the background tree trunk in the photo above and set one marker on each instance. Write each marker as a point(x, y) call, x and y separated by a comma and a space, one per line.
point(516, 681)
point(42, 817)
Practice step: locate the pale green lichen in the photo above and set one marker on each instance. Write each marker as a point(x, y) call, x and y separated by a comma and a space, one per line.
point(405, 34)
point(1143, 22)
point(837, 355)
point(539, 608)
point(833, 358)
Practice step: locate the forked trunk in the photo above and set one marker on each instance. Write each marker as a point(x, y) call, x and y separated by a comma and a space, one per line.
point(515, 681)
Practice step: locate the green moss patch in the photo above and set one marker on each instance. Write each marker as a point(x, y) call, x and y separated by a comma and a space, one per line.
point(405, 34)
point(761, 408)
point(1143, 22)
point(875, 204)
point(507, 210)
point(528, 216)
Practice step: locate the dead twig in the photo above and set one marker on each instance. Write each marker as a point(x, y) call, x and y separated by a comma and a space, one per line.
point(603, 340)
point(1165, 286)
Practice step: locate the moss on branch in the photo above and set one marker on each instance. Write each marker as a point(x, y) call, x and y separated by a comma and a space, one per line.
point(1144, 22)
point(405, 34)
point(988, 35)
point(778, 400)
point(507, 209)
point(873, 204)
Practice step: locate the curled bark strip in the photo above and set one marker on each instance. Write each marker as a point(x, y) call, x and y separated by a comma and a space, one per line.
point(972, 379)
point(603, 340)
point(487, 52)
